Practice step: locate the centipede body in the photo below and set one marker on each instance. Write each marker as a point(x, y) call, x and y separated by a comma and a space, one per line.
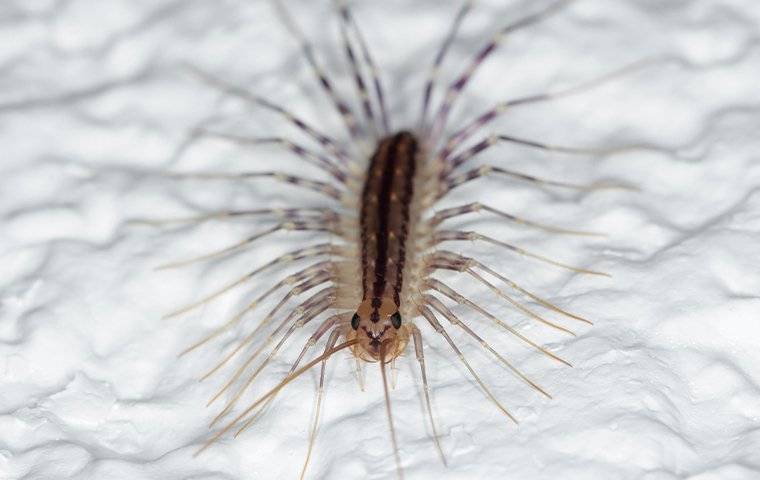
point(370, 287)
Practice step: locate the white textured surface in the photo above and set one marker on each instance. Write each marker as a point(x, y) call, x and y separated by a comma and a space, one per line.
point(93, 98)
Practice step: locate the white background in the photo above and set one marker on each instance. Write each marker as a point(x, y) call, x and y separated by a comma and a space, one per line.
point(96, 102)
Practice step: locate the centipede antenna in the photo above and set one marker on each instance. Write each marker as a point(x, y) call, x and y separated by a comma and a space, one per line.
point(308, 52)
point(374, 72)
point(389, 413)
point(487, 117)
point(476, 207)
point(318, 401)
point(361, 87)
point(419, 352)
point(458, 85)
point(289, 378)
point(435, 68)
point(462, 300)
point(328, 143)
point(327, 325)
point(306, 311)
point(438, 306)
point(450, 183)
point(430, 317)
point(450, 235)
point(310, 315)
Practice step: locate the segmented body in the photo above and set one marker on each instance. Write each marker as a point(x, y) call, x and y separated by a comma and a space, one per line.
point(373, 280)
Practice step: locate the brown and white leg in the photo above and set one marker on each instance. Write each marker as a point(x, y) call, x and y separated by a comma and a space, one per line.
point(477, 207)
point(322, 188)
point(447, 291)
point(430, 317)
point(328, 143)
point(457, 86)
point(453, 235)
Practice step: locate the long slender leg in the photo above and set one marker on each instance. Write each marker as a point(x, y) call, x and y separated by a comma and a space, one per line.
point(318, 400)
point(324, 225)
point(374, 73)
point(451, 235)
point(308, 51)
point(455, 181)
point(438, 306)
point(430, 317)
point(308, 252)
point(317, 186)
point(320, 161)
point(328, 143)
point(417, 337)
point(311, 277)
point(487, 117)
point(476, 207)
point(492, 140)
point(453, 261)
point(280, 213)
point(435, 68)
point(458, 85)
point(361, 87)
point(462, 300)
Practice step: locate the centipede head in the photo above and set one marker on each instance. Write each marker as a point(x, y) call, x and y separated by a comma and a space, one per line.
point(376, 323)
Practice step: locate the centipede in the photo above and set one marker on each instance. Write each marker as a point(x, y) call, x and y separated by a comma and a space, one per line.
point(366, 284)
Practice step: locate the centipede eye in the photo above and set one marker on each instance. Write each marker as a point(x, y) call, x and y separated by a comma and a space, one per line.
point(396, 320)
point(355, 321)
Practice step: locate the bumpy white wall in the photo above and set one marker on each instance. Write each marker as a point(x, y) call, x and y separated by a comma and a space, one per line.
point(95, 99)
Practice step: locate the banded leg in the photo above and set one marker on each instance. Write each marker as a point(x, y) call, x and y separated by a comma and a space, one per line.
point(279, 213)
point(430, 317)
point(300, 254)
point(449, 292)
point(458, 85)
point(374, 73)
point(476, 207)
point(453, 261)
point(435, 68)
point(450, 183)
point(492, 140)
point(308, 52)
point(314, 185)
point(487, 117)
point(328, 143)
point(361, 87)
point(439, 307)
point(452, 235)
point(417, 338)
point(320, 161)
point(292, 226)
point(312, 276)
